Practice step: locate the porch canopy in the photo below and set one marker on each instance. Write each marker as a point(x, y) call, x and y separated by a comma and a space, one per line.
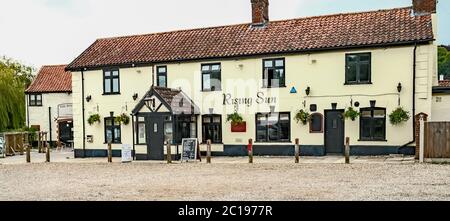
point(159, 99)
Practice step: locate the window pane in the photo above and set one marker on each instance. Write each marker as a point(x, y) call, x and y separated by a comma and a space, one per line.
point(141, 133)
point(284, 131)
point(108, 122)
point(351, 72)
point(141, 119)
point(206, 82)
point(162, 70)
point(115, 73)
point(284, 117)
point(366, 113)
point(117, 134)
point(193, 130)
point(364, 71)
point(107, 85)
point(108, 135)
point(365, 128)
point(379, 113)
point(107, 73)
point(162, 81)
point(279, 63)
point(268, 64)
point(206, 68)
point(206, 119)
point(352, 58)
point(115, 85)
point(280, 77)
point(215, 67)
point(33, 98)
point(217, 119)
point(364, 57)
point(168, 132)
point(379, 127)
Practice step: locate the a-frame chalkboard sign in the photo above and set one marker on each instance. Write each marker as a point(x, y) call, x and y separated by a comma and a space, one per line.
point(189, 151)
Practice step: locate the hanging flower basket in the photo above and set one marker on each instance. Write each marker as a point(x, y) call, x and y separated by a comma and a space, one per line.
point(123, 119)
point(351, 114)
point(399, 116)
point(93, 119)
point(237, 123)
point(302, 116)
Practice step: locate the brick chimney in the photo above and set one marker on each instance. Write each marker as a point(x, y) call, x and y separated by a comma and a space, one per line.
point(260, 12)
point(424, 7)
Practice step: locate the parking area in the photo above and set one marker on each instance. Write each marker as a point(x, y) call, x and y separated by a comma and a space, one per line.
point(230, 179)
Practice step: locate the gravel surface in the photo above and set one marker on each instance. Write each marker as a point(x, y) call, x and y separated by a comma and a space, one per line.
point(268, 180)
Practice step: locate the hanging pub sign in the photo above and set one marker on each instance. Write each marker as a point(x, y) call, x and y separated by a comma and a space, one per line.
point(260, 98)
point(189, 151)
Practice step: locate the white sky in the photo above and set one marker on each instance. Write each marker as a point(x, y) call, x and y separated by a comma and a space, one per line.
point(39, 32)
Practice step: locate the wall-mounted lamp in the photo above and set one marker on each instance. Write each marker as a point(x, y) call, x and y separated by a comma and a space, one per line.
point(88, 98)
point(399, 87)
point(135, 96)
point(272, 109)
point(308, 91)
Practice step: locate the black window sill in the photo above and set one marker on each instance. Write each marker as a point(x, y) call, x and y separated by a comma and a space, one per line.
point(112, 143)
point(358, 83)
point(106, 94)
point(372, 140)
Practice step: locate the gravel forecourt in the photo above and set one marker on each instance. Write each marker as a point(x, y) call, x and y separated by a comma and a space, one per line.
point(229, 179)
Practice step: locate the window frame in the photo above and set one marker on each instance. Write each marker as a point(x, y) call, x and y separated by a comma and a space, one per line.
point(111, 70)
point(321, 124)
point(267, 140)
point(159, 74)
point(372, 119)
point(204, 125)
point(273, 60)
point(358, 78)
point(35, 102)
point(210, 72)
point(112, 127)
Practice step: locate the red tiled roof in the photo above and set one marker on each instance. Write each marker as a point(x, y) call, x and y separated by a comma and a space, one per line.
point(51, 79)
point(445, 83)
point(383, 27)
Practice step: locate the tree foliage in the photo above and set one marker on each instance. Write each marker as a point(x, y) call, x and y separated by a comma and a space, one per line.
point(444, 62)
point(14, 78)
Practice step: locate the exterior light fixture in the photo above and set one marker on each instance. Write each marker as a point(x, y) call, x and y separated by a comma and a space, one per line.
point(308, 91)
point(272, 109)
point(399, 87)
point(135, 96)
point(88, 98)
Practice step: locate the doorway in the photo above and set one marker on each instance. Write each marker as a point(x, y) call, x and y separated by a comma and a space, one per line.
point(155, 138)
point(334, 131)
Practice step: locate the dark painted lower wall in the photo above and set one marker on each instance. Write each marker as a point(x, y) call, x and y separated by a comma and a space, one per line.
point(278, 150)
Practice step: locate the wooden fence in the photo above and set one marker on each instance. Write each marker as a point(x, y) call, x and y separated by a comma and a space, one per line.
point(437, 140)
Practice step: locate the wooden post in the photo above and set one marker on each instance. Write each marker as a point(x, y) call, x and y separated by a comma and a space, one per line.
point(47, 154)
point(28, 154)
point(250, 151)
point(297, 150)
point(109, 152)
point(169, 153)
point(347, 150)
point(208, 151)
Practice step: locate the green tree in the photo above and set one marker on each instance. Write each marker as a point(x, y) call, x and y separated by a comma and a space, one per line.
point(444, 62)
point(14, 78)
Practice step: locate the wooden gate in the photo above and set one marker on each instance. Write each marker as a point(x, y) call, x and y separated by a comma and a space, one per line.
point(437, 140)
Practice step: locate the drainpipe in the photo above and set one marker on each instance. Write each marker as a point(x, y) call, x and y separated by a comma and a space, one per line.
point(82, 107)
point(50, 124)
point(134, 147)
point(414, 96)
point(28, 109)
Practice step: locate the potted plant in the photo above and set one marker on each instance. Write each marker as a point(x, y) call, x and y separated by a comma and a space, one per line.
point(94, 118)
point(302, 116)
point(399, 116)
point(237, 122)
point(351, 114)
point(123, 119)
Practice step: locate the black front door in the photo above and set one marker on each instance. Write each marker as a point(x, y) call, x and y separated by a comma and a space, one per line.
point(334, 131)
point(155, 138)
point(65, 132)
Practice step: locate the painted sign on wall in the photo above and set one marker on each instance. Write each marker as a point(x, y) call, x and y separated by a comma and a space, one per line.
point(260, 98)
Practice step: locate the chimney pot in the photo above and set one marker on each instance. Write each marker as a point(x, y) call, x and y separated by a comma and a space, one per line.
point(424, 7)
point(260, 12)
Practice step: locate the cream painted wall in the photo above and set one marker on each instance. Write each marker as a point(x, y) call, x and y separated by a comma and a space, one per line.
point(132, 80)
point(39, 115)
point(324, 72)
point(441, 107)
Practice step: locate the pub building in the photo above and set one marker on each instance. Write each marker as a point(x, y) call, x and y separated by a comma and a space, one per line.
point(164, 87)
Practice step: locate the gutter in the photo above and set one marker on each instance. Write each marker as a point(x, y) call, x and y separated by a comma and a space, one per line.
point(414, 96)
point(82, 109)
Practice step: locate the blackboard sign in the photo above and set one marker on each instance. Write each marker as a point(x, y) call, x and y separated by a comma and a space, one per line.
point(189, 152)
